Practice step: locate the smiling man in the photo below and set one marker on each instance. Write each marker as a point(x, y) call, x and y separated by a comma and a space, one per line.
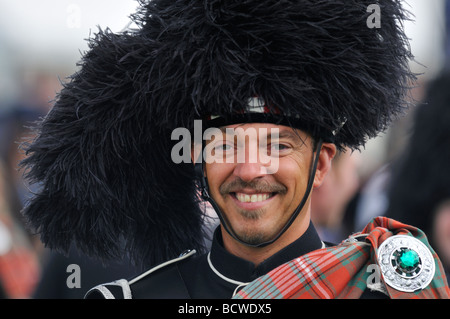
point(258, 202)
point(279, 87)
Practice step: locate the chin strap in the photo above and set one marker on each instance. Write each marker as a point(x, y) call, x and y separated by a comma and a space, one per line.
point(199, 170)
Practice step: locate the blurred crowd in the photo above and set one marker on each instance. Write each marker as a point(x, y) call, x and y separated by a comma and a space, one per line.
point(27, 268)
point(20, 250)
point(410, 184)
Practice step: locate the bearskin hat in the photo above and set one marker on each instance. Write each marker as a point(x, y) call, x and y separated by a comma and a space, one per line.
point(102, 154)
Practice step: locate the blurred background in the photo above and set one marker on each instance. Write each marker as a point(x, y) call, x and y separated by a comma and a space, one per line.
point(40, 45)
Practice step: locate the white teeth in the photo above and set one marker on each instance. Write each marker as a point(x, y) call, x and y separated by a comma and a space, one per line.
point(245, 198)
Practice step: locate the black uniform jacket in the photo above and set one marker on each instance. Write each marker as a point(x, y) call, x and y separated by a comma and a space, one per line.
point(217, 274)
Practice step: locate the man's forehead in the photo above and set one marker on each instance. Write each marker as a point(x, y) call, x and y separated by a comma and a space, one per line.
point(268, 129)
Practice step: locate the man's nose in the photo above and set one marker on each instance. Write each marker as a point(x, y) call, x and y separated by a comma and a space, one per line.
point(251, 166)
point(249, 171)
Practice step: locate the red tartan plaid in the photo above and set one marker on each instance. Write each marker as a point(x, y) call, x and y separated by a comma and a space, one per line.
point(342, 271)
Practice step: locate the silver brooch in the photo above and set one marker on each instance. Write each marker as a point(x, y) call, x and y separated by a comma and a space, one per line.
point(406, 263)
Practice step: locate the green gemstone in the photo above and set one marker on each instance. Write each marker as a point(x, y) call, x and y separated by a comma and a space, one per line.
point(408, 259)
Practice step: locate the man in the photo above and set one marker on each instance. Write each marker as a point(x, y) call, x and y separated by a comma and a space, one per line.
point(277, 86)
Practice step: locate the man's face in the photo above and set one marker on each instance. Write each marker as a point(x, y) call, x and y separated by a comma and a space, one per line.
point(256, 199)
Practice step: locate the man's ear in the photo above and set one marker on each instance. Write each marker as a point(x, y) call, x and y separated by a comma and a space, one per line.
point(327, 153)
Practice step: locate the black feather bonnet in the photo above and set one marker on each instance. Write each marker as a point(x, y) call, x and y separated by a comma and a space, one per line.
point(102, 154)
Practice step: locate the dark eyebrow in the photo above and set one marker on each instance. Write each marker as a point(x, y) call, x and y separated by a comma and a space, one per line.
point(286, 134)
point(293, 136)
point(283, 133)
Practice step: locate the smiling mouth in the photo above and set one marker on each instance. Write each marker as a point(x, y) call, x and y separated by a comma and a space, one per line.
point(252, 198)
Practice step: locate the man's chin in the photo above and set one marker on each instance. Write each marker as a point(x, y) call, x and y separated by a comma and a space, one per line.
point(253, 238)
point(255, 235)
point(252, 226)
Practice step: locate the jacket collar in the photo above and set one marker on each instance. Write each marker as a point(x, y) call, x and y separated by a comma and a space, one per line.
point(238, 269)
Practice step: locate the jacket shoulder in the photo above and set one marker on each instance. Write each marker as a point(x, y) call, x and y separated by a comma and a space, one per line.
point(162, 281)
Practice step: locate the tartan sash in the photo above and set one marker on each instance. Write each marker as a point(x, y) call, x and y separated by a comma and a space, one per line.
point(344, 271)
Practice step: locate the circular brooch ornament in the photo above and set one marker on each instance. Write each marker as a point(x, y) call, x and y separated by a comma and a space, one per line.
point(406, 263)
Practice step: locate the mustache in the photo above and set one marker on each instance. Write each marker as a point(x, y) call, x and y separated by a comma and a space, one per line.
point(260, 186)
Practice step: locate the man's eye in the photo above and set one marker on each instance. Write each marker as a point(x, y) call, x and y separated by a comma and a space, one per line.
point(278, 147)
point(223, 147)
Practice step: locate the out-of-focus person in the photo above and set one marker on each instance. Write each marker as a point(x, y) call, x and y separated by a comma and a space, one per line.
point(21, 252)
point(330, 200)
point(19, 262)
point(419, 191)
